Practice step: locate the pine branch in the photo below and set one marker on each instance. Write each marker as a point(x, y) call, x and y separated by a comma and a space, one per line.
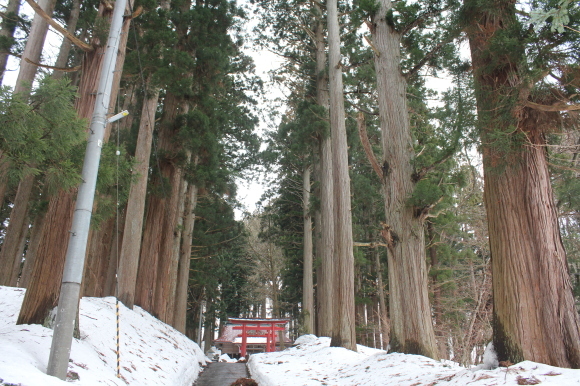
point(83, 46)
point(359, 107)
point(419, 175)
point(422, 18)
point(426, 58)
point(364, 138)
point(5, 16)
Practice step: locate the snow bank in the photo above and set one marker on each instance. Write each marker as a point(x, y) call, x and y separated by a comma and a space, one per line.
point(152, 353)
point(312, 362)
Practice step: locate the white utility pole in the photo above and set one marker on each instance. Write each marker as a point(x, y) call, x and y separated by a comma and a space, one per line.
point(75, 254)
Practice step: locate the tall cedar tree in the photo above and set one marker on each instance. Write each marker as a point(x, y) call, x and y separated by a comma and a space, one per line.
point(534, 315)
point(411, 324)
point(295, 30)
point(42, 294)
point(343, 330)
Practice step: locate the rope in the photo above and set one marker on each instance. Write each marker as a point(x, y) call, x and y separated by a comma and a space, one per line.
point(118, 340)
point(117, 308)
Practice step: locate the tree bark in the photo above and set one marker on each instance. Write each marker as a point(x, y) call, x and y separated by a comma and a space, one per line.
point(184, 260)
point(173, 270)
point(437, 310)
point(326, 231)
point(343, 331)
point(32, 51)
point(4, 167)
point(71, 26)
point(156, 261)
point(383, 314)
point(16, 268)
point(8, 26)
point(411, 325)
point(307, 283)
point(534, 315)
point(44, 287)
point(31, 252)
point(168, 258)
point(98, 258)
point(110, 283)
point(129, 259)
point(33, 48)
point(18, 216)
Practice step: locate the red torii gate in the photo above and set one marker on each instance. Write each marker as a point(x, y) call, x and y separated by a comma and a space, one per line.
point(270, 326)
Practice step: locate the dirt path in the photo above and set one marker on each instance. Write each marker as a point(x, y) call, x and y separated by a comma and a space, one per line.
point(221, 374)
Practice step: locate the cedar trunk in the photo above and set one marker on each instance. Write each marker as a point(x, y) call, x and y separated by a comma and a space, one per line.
point(9, 256)
point(98, 258)
point(534, 315)
point(66, 45)
point(382, 312)
point(18, 215)
point(33, 48)
point(325, 244)
point(410, 312)
point(33, 244)
point(157, 261)
point(44, 289)
point(129, 259)
point(180, 318)
point(307, 282)
point(173, 270)
point(7, 28)
point(343, 331)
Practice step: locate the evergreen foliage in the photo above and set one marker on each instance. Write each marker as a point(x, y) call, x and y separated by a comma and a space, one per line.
point(43, 136)
point(220, 263)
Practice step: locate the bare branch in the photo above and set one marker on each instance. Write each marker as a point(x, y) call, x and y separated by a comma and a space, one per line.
point(372, 46)
point(63, 69)
point(83, 46)
point(418, 176)
point(137, 13)
point(554, 107)
point(426, 58)
point(362, 132)
point(370, 245)
point(360, 108)
point(422, 18)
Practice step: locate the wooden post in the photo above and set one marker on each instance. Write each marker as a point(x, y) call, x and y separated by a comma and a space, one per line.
point(244, 339)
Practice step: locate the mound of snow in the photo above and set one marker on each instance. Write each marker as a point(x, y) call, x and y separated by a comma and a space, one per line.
point(152, 353)
point(226, 358)
point(306, 340)
point(313, 362)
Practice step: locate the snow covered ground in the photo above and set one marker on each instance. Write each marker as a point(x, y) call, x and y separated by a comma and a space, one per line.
point(153, 353)
point(312, 362)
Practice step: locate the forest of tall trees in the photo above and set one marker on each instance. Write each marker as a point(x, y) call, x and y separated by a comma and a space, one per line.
point(419, 162)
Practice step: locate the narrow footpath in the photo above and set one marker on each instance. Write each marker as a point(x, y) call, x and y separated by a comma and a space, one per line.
point(221, 374)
